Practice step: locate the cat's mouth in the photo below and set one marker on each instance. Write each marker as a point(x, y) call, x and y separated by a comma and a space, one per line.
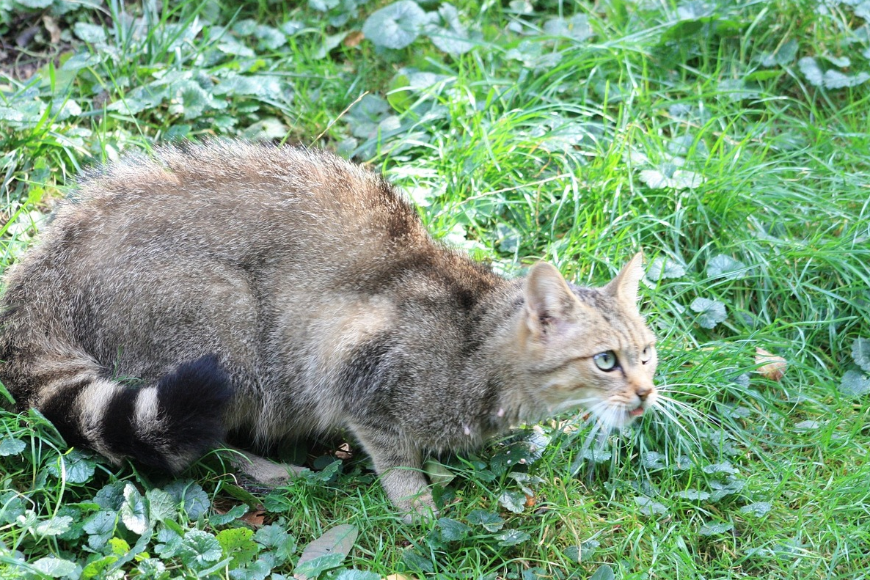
point(636, 412)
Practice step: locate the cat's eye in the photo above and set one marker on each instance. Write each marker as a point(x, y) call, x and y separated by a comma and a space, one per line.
point(606, 361)
point(646, 354)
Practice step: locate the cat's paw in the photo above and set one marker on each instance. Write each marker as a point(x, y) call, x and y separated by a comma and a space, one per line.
point(419, 511)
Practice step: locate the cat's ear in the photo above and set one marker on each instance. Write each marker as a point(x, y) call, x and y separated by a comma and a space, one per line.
point(548, 298)
point(624, 287)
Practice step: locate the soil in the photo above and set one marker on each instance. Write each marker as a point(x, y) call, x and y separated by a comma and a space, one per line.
point(29, 42)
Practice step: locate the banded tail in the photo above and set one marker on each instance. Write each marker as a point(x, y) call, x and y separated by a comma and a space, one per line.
point(168, 425)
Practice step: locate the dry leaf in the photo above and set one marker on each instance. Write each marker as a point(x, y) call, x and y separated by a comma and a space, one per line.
point(772, 367)
point(254, 518)
point(353, 38)
point(52, 28)
point(399, 577)
point(531, 501)
point(344, 452)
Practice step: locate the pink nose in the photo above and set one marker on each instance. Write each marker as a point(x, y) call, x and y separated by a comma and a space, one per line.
point(643, 392)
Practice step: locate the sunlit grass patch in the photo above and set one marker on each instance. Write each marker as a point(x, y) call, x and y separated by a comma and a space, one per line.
point(727, 140)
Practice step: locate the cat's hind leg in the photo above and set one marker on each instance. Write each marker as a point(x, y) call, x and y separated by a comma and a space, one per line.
point(262, 470)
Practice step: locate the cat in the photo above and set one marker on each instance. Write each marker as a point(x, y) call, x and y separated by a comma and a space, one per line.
point(282, 292)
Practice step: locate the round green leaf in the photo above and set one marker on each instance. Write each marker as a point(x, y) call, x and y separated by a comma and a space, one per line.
point(514, 501)
point(649, 506)
point(723, 266)
point(711, 312)
point(757, 509)
point(711, 529)
point(198, 549)
point(53, 526)
point(604, 572)
point(11, 446)
point(512, 537)
point(195, 500)
point(357, 575)
point(396, 25)
point(860, 354)
point(90, 32)
point(451, 530)
point(452, 39)
point(75, 467)
point(576, 27)
point(854, 384)
point(668, 176)
point(35, 3)
point(653, 460)
point(133, 511)
point(724, 467)
point(238, 545)
point(55, 567)
point(490, 521)
point(663, 267)
point(161, 505)
point(693, 495)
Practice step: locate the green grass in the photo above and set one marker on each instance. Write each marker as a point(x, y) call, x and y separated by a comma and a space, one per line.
point(691, 132)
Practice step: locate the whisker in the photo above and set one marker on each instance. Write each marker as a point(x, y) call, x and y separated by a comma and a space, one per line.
point(581, 456)
point(574, 403)
point(668, 411)
point(689, 410)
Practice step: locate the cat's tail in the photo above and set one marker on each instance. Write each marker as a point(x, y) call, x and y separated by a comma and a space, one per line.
point(166, 425)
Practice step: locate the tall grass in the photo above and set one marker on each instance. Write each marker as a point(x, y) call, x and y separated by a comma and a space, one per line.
point(695, 132)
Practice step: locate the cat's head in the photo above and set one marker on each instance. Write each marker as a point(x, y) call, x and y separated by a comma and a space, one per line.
point(589, 347)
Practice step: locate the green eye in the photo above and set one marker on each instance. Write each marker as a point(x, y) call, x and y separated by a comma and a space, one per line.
point(646, 354)
point(606, 361)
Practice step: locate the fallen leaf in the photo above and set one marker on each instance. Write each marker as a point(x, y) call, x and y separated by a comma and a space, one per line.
point(52, 28)
point(772, 367)
point(353, 38)
point(344, 452)
point(399, 577)
point(255, 518)
point(326, 552)
point(531, 501)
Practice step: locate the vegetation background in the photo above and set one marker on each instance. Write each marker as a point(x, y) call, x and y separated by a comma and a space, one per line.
point(727, 139)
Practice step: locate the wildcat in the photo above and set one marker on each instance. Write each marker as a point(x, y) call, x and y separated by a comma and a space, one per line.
point(281, 292)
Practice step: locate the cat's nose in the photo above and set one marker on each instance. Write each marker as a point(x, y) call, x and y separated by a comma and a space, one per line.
point(643, 391)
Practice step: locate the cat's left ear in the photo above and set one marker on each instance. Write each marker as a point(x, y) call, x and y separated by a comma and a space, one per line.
point(624, 287)
point(548, 298)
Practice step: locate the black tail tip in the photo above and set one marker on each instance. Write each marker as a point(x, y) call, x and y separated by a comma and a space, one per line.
point(193, 401)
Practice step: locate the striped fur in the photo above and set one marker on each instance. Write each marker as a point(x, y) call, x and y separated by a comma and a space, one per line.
point(281, 292)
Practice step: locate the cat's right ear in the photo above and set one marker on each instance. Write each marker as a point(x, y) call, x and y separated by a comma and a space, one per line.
point(548, 298)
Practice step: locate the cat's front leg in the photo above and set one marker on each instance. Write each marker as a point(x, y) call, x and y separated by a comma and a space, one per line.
point(400, 468)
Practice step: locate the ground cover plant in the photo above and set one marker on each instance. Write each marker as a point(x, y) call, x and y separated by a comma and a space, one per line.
point(727, 139)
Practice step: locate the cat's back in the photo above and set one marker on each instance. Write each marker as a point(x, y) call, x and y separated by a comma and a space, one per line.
point(235, 201)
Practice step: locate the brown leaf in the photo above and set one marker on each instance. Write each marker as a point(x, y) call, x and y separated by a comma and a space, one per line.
point(52, 28)
point(353, 38)
point(255, 518)
point(399, 577)
point(344, 452)
point(772, 367)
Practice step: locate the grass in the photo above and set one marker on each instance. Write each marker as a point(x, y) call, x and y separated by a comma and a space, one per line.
point(696, 132)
